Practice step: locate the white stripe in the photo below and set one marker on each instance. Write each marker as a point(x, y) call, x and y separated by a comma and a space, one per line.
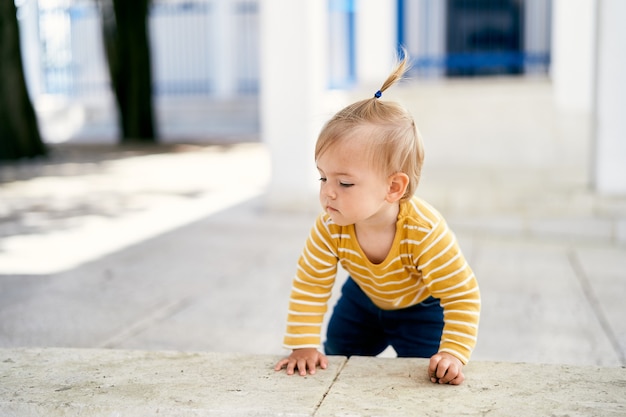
point(465, 293)
point(393, 263)
point(400, 269)
point(330, 273)
point(462, 323)
point(440, 254)
point(303, 335)
point(292, 347)
point(327, 247)
point(411, 242)
point(460, 334)
point(306, 303)
point(451, 274)
point(471, 301)
point(323, 240)
point(456, 342)
point(460, 284)
point(432, 211)
point(310, 294)
point(323, 262)
point(416, 227)
point(301, 281)
point(417, 210)
point(345, 251)
point(380, 290)
point(312, 279)
point(441, 236)
point(320, 271)
point(300, 324)
point(302, 313)
point(455, 353)
point(473, 313)
point(381, 285)
point(417, 296)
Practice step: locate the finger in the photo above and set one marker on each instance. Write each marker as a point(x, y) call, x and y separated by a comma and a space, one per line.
point(458, 380)
point(323, 362)
point(447, 377)
point(433, 376)
point(291, 365)
point(440, 371)
point(443, 374)
point(302, 366)
point(451, 376)
point(281, 364)
point(452, 372)
point(311, 365)
point(432, 366)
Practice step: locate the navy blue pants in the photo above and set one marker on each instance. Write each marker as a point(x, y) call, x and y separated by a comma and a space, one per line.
point(358, 327)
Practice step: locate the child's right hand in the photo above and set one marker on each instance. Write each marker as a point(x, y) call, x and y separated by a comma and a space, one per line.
point(303, 359)
point(445, 368)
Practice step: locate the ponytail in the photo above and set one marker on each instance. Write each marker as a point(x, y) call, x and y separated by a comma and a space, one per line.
point(400, 69)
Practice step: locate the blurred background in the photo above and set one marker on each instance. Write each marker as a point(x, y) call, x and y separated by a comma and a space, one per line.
point(157, 182)
point(205, 56)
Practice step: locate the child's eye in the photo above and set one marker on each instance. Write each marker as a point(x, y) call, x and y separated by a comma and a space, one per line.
point(345, 184)
point(322, 179)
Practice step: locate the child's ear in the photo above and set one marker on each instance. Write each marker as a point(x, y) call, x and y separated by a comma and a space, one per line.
point(398, 183)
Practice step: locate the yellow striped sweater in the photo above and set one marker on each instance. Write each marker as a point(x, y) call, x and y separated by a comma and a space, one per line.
point(424, 260)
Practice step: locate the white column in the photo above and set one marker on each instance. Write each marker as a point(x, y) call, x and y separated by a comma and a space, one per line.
point(375, 38)
point(573, 27)
point(223, 19)
point(536, 30)
point(610, 99)
point(293, 80)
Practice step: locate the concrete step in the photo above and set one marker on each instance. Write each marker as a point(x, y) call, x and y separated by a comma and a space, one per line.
point(71, 382)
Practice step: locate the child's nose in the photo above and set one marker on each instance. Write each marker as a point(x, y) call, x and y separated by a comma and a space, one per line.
point(328, 191)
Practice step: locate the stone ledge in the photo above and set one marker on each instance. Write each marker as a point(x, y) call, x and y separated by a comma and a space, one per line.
point(94, 382)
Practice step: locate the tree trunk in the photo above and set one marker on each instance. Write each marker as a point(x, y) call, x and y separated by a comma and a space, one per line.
point(19, 131)
point(128, 52)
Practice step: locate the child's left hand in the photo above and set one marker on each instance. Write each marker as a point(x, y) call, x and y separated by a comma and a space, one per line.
point(445, 368)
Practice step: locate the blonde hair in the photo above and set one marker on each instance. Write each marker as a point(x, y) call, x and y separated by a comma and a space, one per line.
point(387, 130)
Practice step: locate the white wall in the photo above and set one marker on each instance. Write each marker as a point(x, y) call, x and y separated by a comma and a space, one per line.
point(293, 81)
point(375, 40)
point(573, 28)
point(610, 99)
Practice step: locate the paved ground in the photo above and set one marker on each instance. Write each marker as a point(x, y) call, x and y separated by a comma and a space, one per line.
point(172, 247)
point(111, 382)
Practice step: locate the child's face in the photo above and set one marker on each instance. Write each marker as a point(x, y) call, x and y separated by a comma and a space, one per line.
point(351, 190)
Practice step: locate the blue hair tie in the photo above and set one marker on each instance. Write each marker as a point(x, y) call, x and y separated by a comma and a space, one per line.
point(378, 94)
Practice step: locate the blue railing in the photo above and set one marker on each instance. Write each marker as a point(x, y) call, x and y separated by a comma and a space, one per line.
point(181, 48)
point(186, 47)
point(475, 37)
point(183, 41)
point(482, 60)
